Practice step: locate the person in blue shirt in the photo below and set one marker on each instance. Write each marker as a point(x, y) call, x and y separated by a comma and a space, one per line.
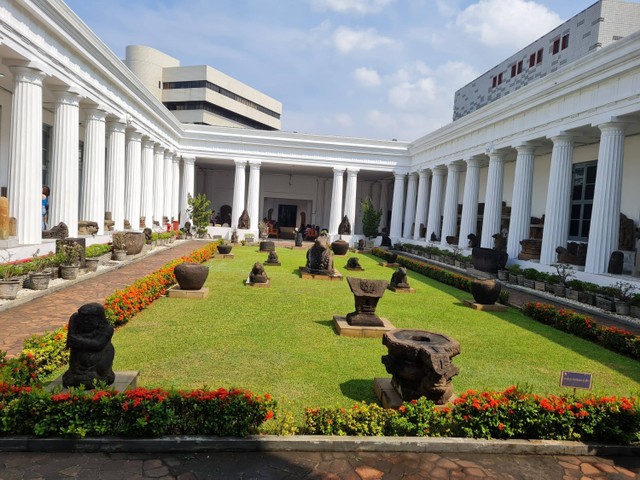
point(45, 206)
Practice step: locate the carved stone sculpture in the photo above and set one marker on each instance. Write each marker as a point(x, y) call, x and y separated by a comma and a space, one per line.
point(345, 227)
point(616, 263)
point(361, 244)
point(191, 276)
point(234, 237)
point(386, 241)
point(366, 293)
point(420, 364)
point(627, 233)
point(485, 292)
point(433, 237)
point(399, 279)
point(273, 259)
point(474, 241)
point(135, 242)
point(353, 264)
point(89, 339)
point(87, 228)
point(320, 257)
point(451, 240)
point(60, 231)
point(147, 235)
point(298, 242)
point(258, 275)
point(499, 242)
point(243, 221)
point(574, 254)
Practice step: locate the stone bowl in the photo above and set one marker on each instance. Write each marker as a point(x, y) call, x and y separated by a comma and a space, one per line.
point(191, 276)
point(134, 242)
point(340, 247)
point(485, 292)
point(267, 246)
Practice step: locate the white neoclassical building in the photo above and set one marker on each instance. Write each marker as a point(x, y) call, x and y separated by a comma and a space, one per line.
point(563, 148)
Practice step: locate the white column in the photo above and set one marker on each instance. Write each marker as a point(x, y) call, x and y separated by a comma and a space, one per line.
point(469, 220)
point(604, 231)
point(397, 206)
point(93, 170)
point(336, 200)
point(253, 195)
point(491, 221)
point(520, 221)
point(350, 197)
point(115, 173)
point(188, 186)
point(384, 203)
point(65, 181)
point(450, 215)
point(25, 154)
point(158, 182)
point(435, 202)
point(422, 203)
point(556, 218)
point(132, 180)
point(410, 205)
point(175, 188)
point(147, 186)
point(238, 192)
point(167, 190)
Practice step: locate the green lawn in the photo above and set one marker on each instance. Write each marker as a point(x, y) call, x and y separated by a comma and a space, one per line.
point(281, 340)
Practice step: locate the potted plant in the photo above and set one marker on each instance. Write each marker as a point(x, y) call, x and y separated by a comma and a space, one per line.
point(563, 273)
point(370, 218)
point(70, 254)
point(199, 213)
point(624, 292)
point(9, 284)
point(39, 275)
point(119, 246)
point(224, 248)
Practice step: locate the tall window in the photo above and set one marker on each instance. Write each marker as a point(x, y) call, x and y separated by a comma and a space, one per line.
point(46, 153)
point(565, 41)
point(584, 183)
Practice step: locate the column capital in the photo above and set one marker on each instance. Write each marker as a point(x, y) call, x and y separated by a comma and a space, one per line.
point(95, 114)
point(66, 97)
point(473, 162)
point(613, 125)
point(158, 148)
point(190, 160)
point(338, 171)
point(240, 163)
point(526, 147)
point(134, 136)
point(116, 127)
point(168, 154)
point(439, 171)
point(496, 156)
point(26, 74)
point(424, 173)
point(352, 172)
point(148, 143)
point(176, 159)
point(562, 138)
point(255, 164)
point(455, 167)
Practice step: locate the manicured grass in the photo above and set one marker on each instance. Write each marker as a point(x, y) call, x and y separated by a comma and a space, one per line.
point(281, 340)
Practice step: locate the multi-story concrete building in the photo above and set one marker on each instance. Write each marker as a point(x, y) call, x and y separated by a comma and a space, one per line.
point(565, 146)
point(598, 26)
point(202, 94)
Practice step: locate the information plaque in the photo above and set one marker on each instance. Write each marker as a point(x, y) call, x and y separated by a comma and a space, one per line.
point(576, 380)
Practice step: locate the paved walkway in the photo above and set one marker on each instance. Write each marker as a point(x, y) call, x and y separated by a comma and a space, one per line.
point(314, 466)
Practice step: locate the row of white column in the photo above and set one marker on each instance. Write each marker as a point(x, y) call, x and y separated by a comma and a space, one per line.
point(605, 219)
point(135, 178)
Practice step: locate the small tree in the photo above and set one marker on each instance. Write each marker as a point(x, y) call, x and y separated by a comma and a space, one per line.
point(370, 218)
point(199, 212)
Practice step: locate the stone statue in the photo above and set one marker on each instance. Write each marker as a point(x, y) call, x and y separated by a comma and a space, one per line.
point(354, 264)
point(89, 339)
point(499, 242)
point(258, 275)
point(234, 237)
point(60, 231)
point(386, 241)
point(474, 241)
point(243, 222)
point(298, 242)
point(87, 227)
point(574, 254)
point(616, 263)
point(367, 293)
point(147, 235)
point(345, 227)
point(627, 233)
point(399, 278)
point(273, 258)
point(320, 257)
point(361, 244)
point(187, 229)
point(433, 237)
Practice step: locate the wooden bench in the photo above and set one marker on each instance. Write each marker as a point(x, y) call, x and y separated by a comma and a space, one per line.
point(273, 231)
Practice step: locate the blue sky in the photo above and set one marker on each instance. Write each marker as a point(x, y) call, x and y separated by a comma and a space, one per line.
point(377, 69)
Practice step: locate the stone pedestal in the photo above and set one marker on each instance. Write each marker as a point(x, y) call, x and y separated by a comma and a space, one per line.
point(305, 273)
point(125, 379)
point(344, 329)
point(177, 292)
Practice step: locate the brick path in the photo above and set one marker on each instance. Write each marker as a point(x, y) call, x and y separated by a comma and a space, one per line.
point(51, 311)
point(314, 466)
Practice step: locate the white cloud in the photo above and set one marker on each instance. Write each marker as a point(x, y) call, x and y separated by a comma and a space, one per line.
point(413, 95)
point(347, 40)
point(343, 119)
point(513, 22)
point(361, 7)
point(367, 77)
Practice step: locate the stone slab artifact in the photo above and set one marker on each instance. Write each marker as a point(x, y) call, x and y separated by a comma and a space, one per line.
point(4, 218)
point(91, 352)
point(224, 256)
point(60, 231)
point(420, 364)
point(298, 241)
point(234, 237)
point(345, 330)
point(366, 294)
point(191, 276)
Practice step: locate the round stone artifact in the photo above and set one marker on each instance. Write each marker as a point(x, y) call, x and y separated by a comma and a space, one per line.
point(485, 292)
point(191, 276)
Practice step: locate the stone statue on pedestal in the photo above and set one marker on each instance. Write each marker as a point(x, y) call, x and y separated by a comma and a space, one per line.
point(320, 257)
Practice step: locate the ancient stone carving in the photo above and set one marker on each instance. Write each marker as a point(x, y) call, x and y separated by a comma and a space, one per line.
point(485, 292)
point(366, 293)
point(627, 233)
point(134, 242)
point(399, 279)
point(273, 259)
point(89, 339)
point(433, 237)
point(87, 228)
point(386, 241)
point(345, 227)
point(420, 364)
point(353, 264)
point(243, 221)
point(147, 235)
point(616, 263)
point(298, 242)
point(59, 231)
point(474, 241)
point(361, 244)
point(258, 275)
point(4, 218)
point(451, 240)
point(499, 242)
point(575, 253)
point(191, 276)
point(320, 257)
point(234, 237)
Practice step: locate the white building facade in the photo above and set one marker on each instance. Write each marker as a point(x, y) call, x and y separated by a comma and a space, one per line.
point(73, 116)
